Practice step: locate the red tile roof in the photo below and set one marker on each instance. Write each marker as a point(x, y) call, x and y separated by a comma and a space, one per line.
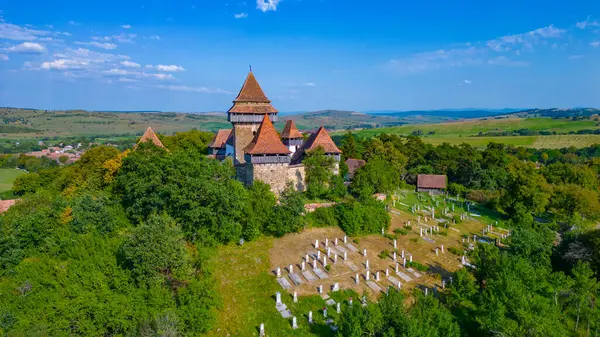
point(220, 139)
point(6, 204)
point(266, 140)
point(321, 138)
point(251, 98)
point(290, 130)
point(431, 181)
point(354, 164)
point(149, 135)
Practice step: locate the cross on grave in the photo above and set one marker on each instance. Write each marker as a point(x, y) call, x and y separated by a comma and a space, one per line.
point(367, 265)
point(377, 276)
point(335, 241)
point(357, 280)
point(326, 243)
point(278, 272)
point(325, 312)
point(345, 256)
point(336, 287)
point(262, 329)
point(367, 275)
point(303, 265)
point(310, 320)
point(442, 248)
point(345, 239)
point(278, 298)
point(295, 297)
point(365, 252)
point(338, 308)
point(410, 257)
point(291, 269)
point(324, 261)
point(387, 272)
point(394, 256)
point(397, 269)
point(294, 323)
point(320, 289)
point(395, 244)
point(316, 244)
point(334, 258)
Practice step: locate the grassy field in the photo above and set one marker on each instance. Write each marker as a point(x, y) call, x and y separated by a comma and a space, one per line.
point(463, 132)
point(7, 177)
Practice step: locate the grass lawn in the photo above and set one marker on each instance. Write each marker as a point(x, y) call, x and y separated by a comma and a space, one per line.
point(7, 177)
point(248, 293)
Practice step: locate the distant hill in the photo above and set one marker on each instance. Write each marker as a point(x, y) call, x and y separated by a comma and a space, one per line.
point(445, 113)
point(558, 112)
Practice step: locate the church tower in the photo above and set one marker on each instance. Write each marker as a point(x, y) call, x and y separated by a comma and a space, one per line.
point(247, 113)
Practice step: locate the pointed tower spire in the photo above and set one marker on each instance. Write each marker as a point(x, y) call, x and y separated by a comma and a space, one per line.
point(266, 141)
point(321, 138)
point(290, 131)
point(149, 135)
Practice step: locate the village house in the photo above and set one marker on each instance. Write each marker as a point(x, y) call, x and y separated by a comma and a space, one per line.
point(431, 183)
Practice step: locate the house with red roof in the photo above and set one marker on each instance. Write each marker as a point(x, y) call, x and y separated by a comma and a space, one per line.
point(432, 183)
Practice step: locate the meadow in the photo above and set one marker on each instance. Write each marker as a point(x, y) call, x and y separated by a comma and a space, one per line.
point(7, 178)
point(466, 131)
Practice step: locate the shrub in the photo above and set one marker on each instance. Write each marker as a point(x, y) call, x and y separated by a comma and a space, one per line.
point(328, 267)
point(324, 217)
point(415, 240)
point(390, 236)
point(457, 219)
point(400, 231)
point(384, 254)
point(366, 217)
point(417, 266)
point(442, 233)
point(408, 227)
point(455, 251)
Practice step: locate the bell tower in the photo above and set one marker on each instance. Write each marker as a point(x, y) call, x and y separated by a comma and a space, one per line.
point(247, 113)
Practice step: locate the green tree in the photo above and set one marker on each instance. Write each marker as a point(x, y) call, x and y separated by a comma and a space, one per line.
point(319, 172)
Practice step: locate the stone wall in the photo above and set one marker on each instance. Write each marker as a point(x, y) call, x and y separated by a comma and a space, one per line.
point(278, 175)
point(243, 134)
point(297, 174)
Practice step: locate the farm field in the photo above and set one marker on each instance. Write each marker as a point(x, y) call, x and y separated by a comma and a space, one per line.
point(246, 274)
point(7, 178)
point(463, 132)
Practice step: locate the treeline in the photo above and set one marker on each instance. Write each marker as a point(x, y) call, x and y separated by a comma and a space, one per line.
point(545, 282)
point(528, 132)
point(120, 243)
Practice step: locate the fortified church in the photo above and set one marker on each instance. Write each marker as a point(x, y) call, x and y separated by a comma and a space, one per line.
point(257, 151)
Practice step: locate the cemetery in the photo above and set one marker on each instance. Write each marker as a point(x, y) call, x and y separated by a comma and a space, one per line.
point(309, 278)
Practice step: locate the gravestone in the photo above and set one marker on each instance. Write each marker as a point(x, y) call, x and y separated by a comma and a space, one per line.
point(405, 277)
point(336, 287)
point(374, 286)
point(309, 276)
point(296, 279)
point(320, 273)
point(295, 297)
point(262, 329)
point(284, 283)
point(338, 308)
point(294, 323)
point(310, 320)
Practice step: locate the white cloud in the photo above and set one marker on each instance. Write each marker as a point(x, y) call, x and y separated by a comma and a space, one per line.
point(203, 90)
point(64, 64)
point(137, 74)
point(9, 31)
point(464, 82)
point(595, 44)
point(126, 26)
point(122, 38)
point(3, 57)
point(130, 64)
point(105, 45)
point(267, 5)
point(310, 84)
point(73, 23)
point(154, 37)
point(171, 67)
point(587, 23)
point(127, 80)
point(241, 16)
point(479, 53)
point(505, 61)
point(27, 48)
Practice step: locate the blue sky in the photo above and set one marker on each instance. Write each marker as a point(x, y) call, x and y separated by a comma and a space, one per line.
point(307, 54)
